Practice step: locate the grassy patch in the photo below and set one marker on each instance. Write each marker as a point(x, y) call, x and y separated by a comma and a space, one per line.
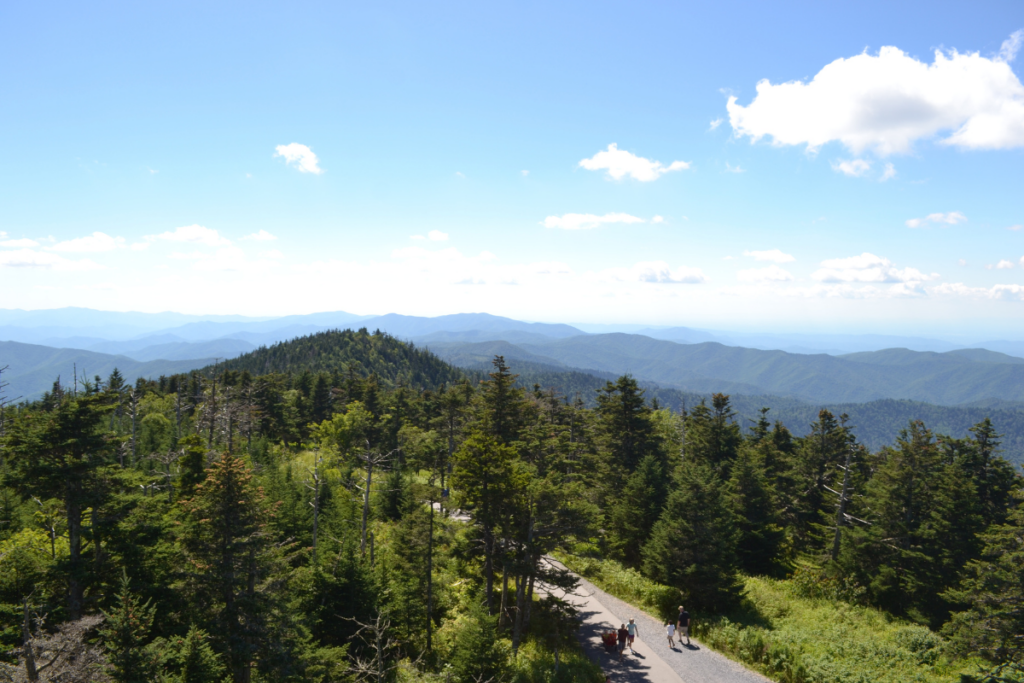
point(796, 639)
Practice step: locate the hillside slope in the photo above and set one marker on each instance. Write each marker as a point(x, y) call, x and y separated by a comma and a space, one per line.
point(345, 351)
point(942, 378)
point(32, 369)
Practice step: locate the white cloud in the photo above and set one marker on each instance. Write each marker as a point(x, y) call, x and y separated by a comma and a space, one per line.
point(18, 244)
point(715, 124)
point(1016, 228)
point(433, 236)
point(951, 218)
point(299, 157)
point(889, 173)
point(2, 234)
point(657, 272)
point(774, 255)
point(231, 259)
point(94, 243)
point(620, 163)
point(996, 292)
point(459, 174)
point(867, 268)
point(770, 274)
point(886, 102)
point(261, 236)
point(190, 256)
point(525, 173)
point(962, 262)
point(1004, 265)
point(586, 221)
point(658, 219)
point(734, 169)
point(192, 234)
point(28, 258)
point(854, 168)
point(272, 253)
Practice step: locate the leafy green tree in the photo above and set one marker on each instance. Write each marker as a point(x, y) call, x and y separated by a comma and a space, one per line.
point(194, 660)
point(992, 625)
point(712, 435)
point(626, 432)
point(502, 404)
point(125, 634)
point(761, 536)
point(637, 509)
point(62, 454)
point(693, 546)
point(233, 566)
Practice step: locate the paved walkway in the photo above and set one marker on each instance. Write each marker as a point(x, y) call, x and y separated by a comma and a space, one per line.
point(654, 661)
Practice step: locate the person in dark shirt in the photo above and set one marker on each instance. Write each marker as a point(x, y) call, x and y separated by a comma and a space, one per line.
point(683, 624)
point(623, 636)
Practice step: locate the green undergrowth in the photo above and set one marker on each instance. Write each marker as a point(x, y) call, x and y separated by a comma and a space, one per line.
point(791, 638)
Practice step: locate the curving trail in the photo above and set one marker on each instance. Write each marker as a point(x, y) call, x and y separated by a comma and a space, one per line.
point(654, 661)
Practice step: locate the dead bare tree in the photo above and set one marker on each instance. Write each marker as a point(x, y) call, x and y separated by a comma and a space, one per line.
point(382, 648)
point(315, 488)
point(371, 460)
point(64, 656)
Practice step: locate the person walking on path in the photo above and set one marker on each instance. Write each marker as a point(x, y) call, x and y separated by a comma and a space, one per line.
point(670, 628)
point(634, 631)
point(683, 625)
point(623, 635)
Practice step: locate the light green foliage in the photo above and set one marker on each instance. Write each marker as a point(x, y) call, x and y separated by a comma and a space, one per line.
point(626, 584)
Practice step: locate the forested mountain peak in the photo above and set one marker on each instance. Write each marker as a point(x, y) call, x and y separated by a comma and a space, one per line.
point(356, 352)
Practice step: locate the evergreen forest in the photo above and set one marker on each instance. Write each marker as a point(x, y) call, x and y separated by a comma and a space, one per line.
point(347, 507)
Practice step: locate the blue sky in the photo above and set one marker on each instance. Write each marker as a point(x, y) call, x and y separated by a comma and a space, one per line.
point(442, 158)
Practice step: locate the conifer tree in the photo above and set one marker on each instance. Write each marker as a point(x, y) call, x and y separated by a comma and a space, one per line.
point(195, 660)
point(125, 634)
point(637, 509)
point(760, 535)
point(693, 546)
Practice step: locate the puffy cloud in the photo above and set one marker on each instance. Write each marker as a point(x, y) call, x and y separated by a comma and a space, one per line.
point(886, 102)
point(889, 173)
point(192, 234)
point(951, 218)
point(658, 219)
point(773, 255)
point(715, 124)
point(772, 273)
point(28, 258)
point(433, 236)
point(867, 268)
point(23, 243)
point(620, 163)
point(261, 236)
point(586, 221)
point(94, 243)
point(657, 272)
point(729, 168)
point(996, 292)
point(525, 172)
point(854, 168)
point(1004, 265)
point(1016, 228)
point(299, 157)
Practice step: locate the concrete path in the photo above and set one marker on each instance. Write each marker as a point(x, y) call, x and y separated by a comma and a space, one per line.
point(654, 661)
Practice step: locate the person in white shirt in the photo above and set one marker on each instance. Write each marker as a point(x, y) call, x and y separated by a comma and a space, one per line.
point(670, 628)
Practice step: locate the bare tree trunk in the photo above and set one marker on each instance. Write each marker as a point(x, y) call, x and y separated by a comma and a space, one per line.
point(27, 651)
point(841, 513)
point(430, 577)
point(366, 505)
point(504, 595)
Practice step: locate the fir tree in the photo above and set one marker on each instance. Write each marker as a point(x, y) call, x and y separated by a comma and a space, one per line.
point(693, 546)
point(637, 509)
point(125, 634)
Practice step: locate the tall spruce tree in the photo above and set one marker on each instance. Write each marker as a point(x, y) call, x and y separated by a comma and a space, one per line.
point(637, 509)
point(693, 546)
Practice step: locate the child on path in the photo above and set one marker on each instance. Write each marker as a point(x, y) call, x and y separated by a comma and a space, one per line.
point(634, 631)
point(671, 629)
point(623, 635)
